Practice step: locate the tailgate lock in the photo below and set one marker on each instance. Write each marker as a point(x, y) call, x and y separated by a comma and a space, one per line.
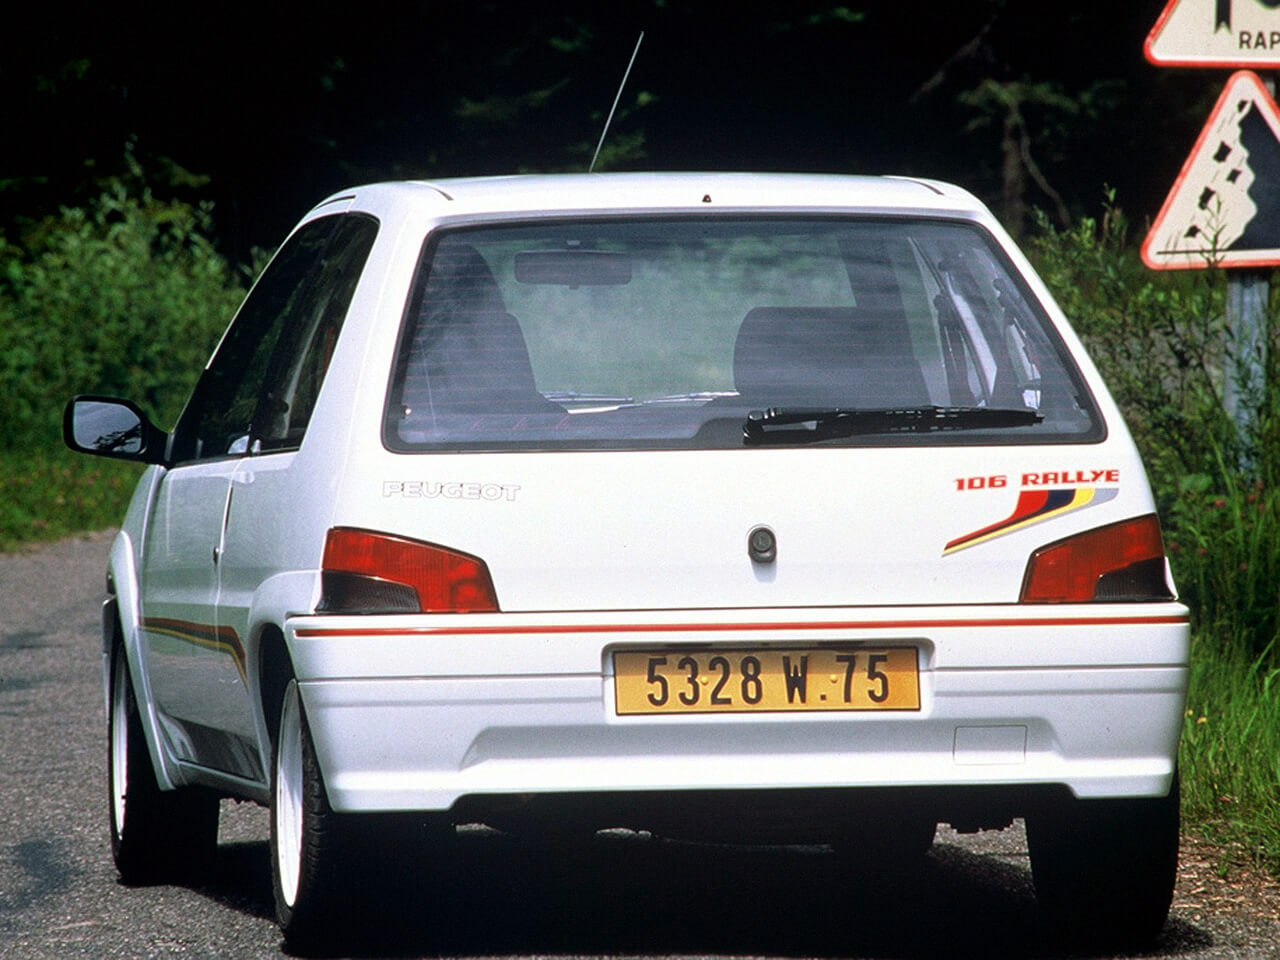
point(762, 545)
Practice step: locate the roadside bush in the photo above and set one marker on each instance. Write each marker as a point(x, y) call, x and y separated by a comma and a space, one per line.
point(1223, 539)
point(125, 297)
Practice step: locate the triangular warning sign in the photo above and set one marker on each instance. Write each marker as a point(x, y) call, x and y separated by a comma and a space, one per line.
point(1224, 208)
point(1216, 33)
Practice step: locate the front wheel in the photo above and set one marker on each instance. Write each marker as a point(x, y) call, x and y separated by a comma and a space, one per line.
point(1104, 870)
point(156, 835)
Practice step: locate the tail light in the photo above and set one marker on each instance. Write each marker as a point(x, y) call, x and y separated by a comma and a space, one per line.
point(1116, 563)
point(366, 572)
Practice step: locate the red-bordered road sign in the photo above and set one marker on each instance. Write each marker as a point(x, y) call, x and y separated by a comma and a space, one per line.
point(1224, 208)
point(1216, 33)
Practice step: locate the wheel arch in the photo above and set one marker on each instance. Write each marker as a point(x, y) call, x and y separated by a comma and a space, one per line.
point(122, 617)
point(268, 663)
point(274, 670)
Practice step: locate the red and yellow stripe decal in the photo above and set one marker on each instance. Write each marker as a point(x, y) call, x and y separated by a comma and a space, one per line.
point(219, 639)
point(1035, 506)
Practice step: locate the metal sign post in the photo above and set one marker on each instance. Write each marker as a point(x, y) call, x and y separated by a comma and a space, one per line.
point(1245, 361)
point(1244, 374)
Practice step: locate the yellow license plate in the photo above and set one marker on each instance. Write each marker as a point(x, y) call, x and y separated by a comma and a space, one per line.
point(760, 680)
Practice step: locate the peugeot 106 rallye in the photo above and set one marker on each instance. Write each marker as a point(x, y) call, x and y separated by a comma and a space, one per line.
point(769, 509)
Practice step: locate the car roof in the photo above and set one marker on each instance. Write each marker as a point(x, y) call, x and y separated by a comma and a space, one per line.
point(550, 193)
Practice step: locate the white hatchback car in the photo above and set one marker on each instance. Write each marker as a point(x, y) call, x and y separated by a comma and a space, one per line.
point(772, 508)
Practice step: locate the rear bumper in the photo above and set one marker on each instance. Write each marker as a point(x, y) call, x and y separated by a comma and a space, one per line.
point(420, 713)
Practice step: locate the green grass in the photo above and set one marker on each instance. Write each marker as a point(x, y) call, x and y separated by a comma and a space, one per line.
point(50, 492)
point(1230, 753)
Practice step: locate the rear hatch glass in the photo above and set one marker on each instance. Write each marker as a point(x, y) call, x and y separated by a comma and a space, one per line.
point(723, 333)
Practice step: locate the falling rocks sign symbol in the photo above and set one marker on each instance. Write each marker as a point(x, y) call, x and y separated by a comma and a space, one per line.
point(1224, 208)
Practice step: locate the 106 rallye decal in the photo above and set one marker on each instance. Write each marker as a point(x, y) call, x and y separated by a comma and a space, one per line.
point(1043, 497)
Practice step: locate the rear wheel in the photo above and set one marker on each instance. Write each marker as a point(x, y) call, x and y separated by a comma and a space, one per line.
point(895, 846)
point(306, 835)
point(156, 835)
point(1104, 870)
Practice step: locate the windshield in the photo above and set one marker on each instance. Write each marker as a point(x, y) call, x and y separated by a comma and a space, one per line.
point(669, 333)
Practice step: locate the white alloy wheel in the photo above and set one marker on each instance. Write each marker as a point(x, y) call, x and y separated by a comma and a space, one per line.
point(289, 795)
point(309, 875)
point(156, 835)
point(119, 748)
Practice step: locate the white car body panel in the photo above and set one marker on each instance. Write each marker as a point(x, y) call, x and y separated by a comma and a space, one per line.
point(1034, 694)
point(676, 533)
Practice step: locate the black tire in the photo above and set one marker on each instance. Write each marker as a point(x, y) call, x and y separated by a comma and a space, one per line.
point(895, 847)
point(1104, 870)
point(307, 837)
point(157, 836)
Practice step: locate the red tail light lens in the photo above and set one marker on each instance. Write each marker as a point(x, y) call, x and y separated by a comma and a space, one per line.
point(365, 572)
point(1116, 563)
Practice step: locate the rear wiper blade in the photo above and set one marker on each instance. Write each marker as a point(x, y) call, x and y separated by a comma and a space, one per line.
point(814, 424)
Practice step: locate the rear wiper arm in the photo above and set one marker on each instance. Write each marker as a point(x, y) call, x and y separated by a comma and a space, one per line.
point(814, 424)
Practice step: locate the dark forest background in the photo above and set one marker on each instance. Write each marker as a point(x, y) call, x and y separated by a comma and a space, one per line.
point(264, 109)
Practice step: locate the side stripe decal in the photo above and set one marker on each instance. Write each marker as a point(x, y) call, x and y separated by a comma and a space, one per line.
point(221, 639)
point(1035, 506)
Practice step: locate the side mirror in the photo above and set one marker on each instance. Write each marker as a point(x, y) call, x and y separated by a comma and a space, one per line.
point(107, 427)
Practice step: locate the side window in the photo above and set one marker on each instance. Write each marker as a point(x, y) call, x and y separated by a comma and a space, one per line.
point(306, 344)
point(294, 311)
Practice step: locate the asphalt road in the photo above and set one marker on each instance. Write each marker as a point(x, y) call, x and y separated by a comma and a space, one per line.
point(618, 894)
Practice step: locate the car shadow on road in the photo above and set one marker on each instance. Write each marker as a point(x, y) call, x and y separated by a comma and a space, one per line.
point(632, 894)
point(241, 879)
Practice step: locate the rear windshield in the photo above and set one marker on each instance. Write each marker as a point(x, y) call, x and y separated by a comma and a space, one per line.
point(673, 333)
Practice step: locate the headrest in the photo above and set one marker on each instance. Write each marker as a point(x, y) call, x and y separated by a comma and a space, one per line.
point(827, 356)
point(460, 280)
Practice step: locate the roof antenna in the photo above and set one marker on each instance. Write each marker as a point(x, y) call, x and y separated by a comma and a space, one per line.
point(596, 155)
